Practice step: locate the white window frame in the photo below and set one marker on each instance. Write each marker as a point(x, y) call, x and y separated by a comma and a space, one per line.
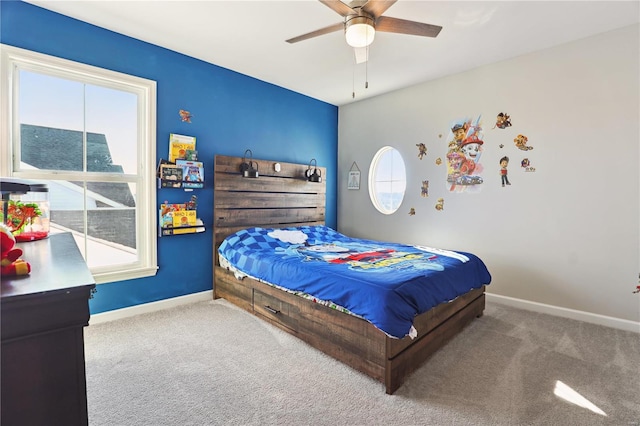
point(12, 60)
point(373, 181)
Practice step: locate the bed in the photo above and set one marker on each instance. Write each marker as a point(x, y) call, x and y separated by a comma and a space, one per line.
point(281, 201)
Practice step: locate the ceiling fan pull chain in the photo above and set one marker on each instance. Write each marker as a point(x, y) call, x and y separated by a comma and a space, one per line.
point(366, 71)
point(353, 82)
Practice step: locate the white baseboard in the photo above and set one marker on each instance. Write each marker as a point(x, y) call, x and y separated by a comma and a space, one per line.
point(150, 307)
point(558, 311)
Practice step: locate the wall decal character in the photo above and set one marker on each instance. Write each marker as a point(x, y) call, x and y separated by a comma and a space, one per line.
point(463, 157)
point(471, 149)
point(412, 211)
point(503, 120)
point(504, 162)
point(185, 115)
point(459, 131)
point(424, 192)
point(455, 158)
point(526, 164)
point(422, 150)
point(521, 143)
point(440, 204)
point(438, 161)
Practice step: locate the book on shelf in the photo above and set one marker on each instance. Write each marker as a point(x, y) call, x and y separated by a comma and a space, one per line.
point(199, 227)
point(184, 218)
point(171, 176)
point(178, 231)
point(179, 145)
point(192, 173)
point(166, 214)
point(160, 164)
point(191, 155)
point(177, 215)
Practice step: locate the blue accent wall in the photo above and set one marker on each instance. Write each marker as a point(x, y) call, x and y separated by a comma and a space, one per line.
point(231, 112)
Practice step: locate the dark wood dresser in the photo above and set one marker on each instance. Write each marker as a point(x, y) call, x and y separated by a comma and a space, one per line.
point(43, 316)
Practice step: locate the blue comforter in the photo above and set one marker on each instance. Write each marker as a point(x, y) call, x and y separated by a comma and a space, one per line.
point(387, 284)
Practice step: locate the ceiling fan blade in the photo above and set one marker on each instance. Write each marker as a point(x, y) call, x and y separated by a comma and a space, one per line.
point(361, 54)
point(339, 7)
point(316, 33)
point(377, 7)
point(402, 26)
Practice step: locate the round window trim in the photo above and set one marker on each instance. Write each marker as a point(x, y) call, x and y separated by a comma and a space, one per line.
point(389, 161)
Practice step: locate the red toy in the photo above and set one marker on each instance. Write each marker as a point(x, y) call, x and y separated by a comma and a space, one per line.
point(10, 262)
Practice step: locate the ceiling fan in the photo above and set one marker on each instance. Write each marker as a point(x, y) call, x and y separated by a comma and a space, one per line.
point(362, 19)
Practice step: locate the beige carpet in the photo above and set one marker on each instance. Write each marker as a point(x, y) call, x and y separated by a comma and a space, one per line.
point(210, 363)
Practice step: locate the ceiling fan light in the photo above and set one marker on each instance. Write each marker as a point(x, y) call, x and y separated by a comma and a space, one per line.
point(359, 34)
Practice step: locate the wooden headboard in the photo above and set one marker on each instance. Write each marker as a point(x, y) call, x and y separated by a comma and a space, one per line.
point(273, 200)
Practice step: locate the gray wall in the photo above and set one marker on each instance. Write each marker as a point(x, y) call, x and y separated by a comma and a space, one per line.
point(565, 235)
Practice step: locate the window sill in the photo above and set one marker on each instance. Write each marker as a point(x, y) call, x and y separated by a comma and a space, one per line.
point(108, 277)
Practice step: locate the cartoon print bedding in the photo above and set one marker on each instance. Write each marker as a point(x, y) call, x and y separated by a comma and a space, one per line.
point(387, 284)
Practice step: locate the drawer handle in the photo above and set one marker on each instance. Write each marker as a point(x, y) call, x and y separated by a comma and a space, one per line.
point(270, 309)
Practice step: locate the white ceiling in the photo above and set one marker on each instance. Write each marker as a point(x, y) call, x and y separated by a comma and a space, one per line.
point(249, 37)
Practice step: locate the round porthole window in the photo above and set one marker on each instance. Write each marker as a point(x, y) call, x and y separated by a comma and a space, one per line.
point(387, 180)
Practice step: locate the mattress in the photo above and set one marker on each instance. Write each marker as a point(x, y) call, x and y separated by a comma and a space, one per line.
point(385, 283)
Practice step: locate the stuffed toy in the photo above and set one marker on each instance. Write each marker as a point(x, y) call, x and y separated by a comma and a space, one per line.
point(10, 262)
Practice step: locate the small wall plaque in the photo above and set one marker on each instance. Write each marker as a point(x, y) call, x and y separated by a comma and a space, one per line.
point(354, 177)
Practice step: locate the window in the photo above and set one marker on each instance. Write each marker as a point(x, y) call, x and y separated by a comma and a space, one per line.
point(387, 180)
point(89, 134)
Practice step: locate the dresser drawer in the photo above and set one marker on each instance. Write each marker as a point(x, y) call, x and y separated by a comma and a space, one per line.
point(275, 310)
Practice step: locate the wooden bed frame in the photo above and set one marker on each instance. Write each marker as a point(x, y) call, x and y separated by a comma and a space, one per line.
point(286, 198)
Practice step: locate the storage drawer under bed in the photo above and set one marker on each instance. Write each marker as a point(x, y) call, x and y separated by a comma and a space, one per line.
point(275, 310)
